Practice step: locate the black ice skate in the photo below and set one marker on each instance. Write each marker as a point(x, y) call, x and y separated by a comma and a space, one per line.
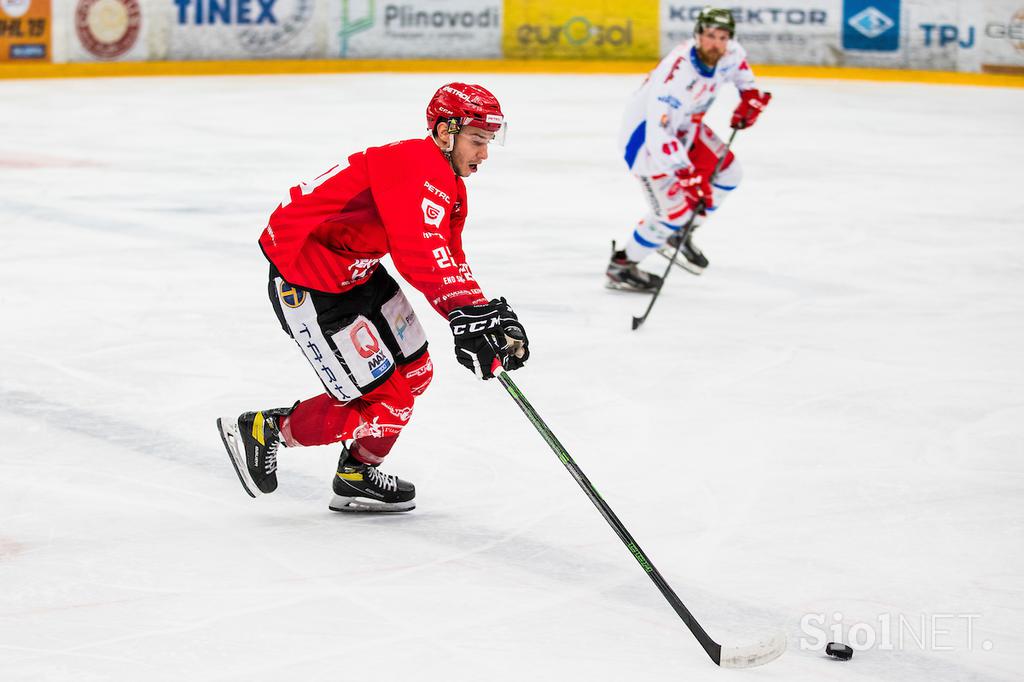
point(362, 487)
point(692, 259)
point(624, 275)
point(252, 441)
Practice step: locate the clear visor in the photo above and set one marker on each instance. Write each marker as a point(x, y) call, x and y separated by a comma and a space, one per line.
point(492, 124)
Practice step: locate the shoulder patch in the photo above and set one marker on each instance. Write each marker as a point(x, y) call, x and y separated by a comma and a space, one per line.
point(433, 213)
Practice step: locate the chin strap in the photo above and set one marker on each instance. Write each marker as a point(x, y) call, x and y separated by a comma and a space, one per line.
point(453, 130)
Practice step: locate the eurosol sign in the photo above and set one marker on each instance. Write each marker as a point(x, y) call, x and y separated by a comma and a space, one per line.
point(872, 25)
point(581, 29)
point(577, 31)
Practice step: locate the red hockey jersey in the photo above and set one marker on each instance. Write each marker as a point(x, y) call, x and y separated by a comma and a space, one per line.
point(403, 199)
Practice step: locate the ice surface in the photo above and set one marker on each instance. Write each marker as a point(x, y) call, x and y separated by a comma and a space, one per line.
point(829, 421)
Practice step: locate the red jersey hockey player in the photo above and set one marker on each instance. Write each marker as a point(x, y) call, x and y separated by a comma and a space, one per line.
point(673, 153)
point(349, 317)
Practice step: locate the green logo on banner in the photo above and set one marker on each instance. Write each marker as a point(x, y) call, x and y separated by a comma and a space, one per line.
point(350, 27)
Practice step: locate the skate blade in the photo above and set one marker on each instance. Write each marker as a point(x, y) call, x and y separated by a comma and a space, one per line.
point(622, 286)
point(341, 503)
point(681, 263)
point(232, 441)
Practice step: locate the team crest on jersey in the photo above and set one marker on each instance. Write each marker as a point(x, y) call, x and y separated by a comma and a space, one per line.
point(292, 296)
point(432, 213)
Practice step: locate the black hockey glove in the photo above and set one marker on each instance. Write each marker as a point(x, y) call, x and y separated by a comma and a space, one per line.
point(487, 332)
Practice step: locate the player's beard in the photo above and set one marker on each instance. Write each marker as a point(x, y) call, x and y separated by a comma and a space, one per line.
point(710, 57)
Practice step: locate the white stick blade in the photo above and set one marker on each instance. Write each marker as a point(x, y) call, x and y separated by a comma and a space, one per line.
point(767, 648)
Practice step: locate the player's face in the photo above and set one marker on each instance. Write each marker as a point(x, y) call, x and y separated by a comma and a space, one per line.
point(712, 44)
point(470, 150)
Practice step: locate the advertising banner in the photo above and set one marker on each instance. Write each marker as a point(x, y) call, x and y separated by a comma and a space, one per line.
point(106, 30)
point(940, 35)
point(871, 25)
point(25, 27)
point(1000, 35)
point(946, 35)
point(242, 29)
point(457, 29)
point(581, 29)
point(793, 32)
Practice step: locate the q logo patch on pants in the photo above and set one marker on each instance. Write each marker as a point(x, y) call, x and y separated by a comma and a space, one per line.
point(364, 340)
point(366, 358)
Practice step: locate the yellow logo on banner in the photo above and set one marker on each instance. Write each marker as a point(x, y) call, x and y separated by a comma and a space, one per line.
point(580, 29)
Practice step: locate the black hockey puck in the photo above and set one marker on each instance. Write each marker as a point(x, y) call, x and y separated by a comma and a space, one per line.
point(840, 651)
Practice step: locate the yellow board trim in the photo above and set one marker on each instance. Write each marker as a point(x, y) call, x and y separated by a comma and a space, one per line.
point(552, 66)
point(257, 428)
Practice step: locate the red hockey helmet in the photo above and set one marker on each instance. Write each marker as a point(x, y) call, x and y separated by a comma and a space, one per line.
point(460, 104)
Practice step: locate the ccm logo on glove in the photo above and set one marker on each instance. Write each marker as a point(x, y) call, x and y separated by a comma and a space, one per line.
point(488, 336)
point(475, 327)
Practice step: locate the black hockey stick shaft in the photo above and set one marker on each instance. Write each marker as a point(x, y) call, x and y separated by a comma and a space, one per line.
point(713, 648)
point(686, 229)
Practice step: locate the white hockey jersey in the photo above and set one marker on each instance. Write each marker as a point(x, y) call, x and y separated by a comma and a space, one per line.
point(664, 115)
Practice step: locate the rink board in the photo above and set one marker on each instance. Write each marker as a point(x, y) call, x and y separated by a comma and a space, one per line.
point(267, 67)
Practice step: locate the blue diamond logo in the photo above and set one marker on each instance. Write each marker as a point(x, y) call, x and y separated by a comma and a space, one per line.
point(871, 22)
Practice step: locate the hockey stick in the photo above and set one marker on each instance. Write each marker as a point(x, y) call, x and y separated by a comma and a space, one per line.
point(686, 229)
point(747, 656)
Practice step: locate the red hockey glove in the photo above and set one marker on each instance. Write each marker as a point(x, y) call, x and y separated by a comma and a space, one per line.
point(695, 187)
point(488, 332)
point(752, 103)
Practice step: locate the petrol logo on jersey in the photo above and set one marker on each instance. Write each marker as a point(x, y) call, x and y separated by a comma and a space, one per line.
point(447, 199)
point(292, 296)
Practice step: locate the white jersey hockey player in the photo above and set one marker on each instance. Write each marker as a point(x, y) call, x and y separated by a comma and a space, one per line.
point(673, 153)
